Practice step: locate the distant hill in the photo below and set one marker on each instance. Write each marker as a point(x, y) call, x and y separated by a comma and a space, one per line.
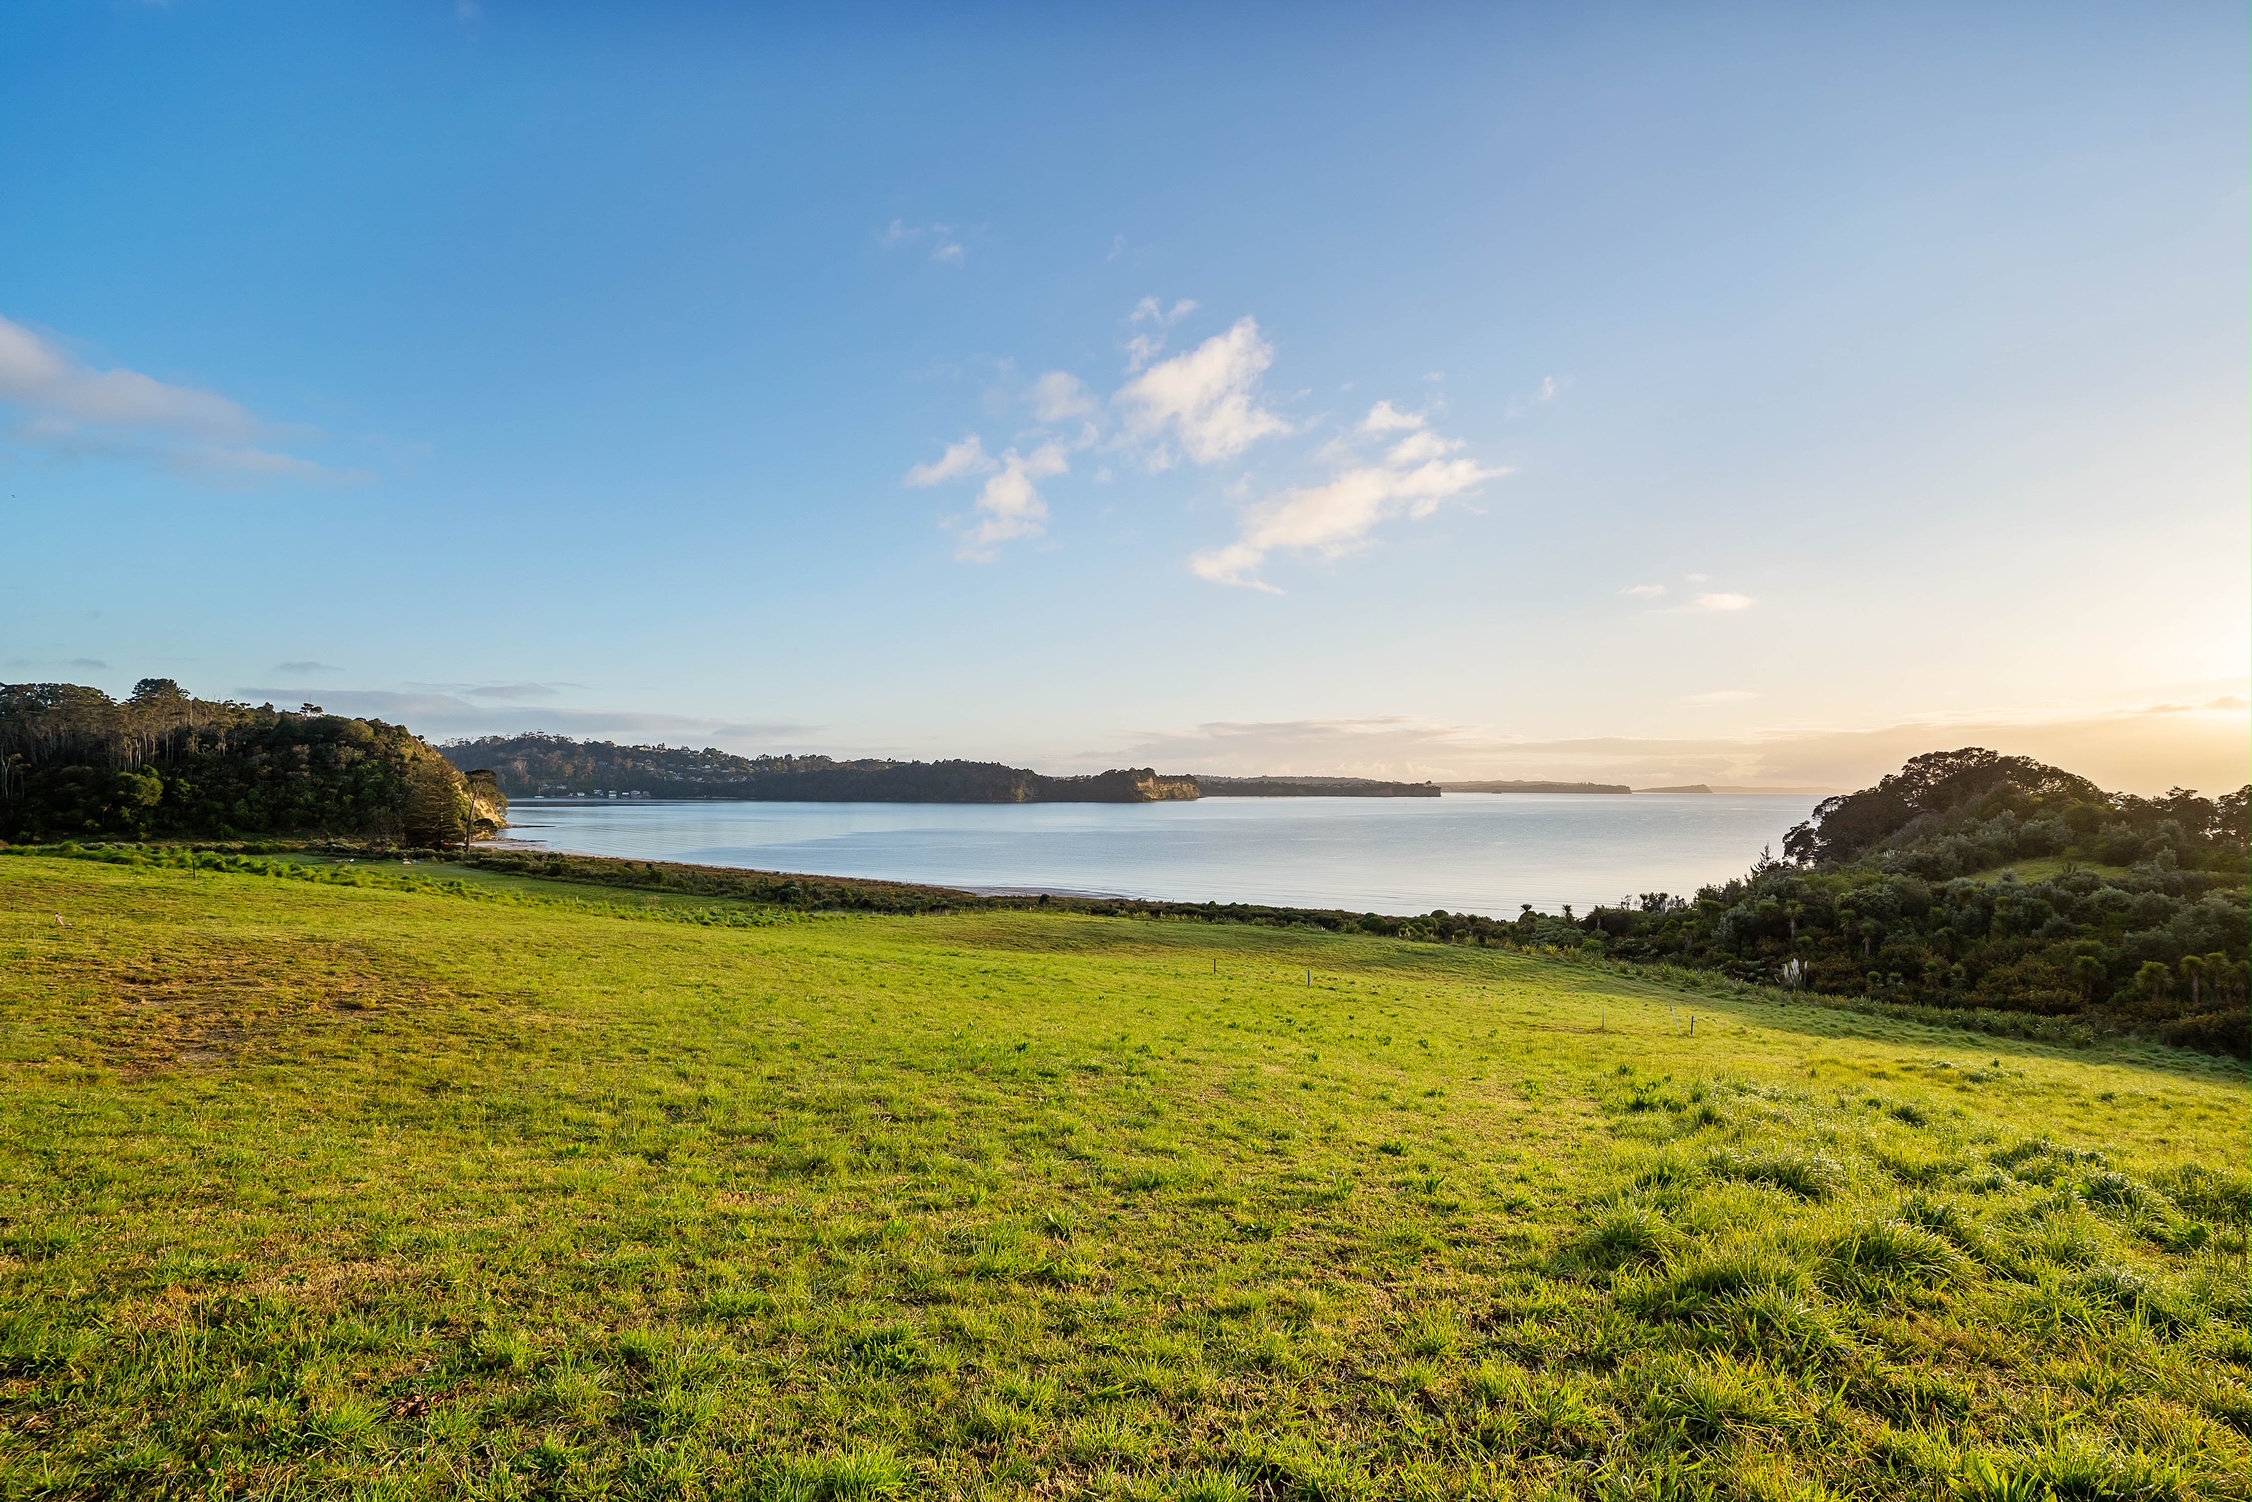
point(162, 764)
point(554, 766)
point(1536, 787)
point(1312, 787)
point(1687, 787)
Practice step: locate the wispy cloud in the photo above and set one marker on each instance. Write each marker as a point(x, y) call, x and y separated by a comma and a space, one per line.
point(1645, 591)
point(435, 712)
point(504, 692)
point(1549, 389)
point(1206, 400)
point(1060, 396)
point(1153, 310)
point(71, 408)
point(1724, 602)
point(960, 461)
point(1720, 696)
point(2140, 750)
point(514, 692)
point(1151, 319)
point(306, 667)
point(1414, 476)
point(946, 247)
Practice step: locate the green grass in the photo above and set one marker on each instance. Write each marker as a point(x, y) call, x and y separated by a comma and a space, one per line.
point(520, 1190)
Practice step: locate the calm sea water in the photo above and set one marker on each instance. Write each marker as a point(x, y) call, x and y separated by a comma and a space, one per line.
point(1477, 853)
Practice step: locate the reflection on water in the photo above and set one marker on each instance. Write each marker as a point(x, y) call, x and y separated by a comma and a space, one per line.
point(1480, 853)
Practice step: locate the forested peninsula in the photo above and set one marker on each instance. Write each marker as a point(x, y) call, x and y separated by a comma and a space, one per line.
point(162, 764)
point(554, 766)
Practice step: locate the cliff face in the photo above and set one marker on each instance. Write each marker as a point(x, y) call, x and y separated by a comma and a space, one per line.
point(1156, 789)
point(1126, 785)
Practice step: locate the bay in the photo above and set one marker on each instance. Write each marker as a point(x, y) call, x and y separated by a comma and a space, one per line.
point(1466, 852)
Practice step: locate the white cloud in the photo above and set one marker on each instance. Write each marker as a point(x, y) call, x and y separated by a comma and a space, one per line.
point(1207, 399)
point(1010, 503)
point(1059, 396)
point(1644, 591)
point(1547, 388)
point(72, 408)
point(958, 462)
point(1386, 418)
point(1724, 602)
point(35, 374)
point(1335, 518)
point(1417, 447)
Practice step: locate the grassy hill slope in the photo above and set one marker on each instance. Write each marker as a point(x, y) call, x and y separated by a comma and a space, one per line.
point(532, 1190)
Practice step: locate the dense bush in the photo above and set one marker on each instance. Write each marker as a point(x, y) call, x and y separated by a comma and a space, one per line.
point(2133, 915)
point(75, 764)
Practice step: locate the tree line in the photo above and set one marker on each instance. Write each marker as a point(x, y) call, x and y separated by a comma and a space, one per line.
point(542, 765)
point(163, 764)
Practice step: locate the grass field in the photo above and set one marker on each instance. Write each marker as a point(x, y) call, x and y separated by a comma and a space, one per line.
point(321, 1191)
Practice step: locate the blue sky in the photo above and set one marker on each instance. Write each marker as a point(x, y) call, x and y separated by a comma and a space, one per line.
point(1747, 394)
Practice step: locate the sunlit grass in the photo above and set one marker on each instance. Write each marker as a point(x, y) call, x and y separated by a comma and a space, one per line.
point(317, 1190)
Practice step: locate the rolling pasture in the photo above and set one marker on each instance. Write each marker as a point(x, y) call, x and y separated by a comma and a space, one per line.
point(498, 1188)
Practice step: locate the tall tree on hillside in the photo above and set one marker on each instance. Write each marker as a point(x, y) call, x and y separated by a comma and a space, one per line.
point(436, 813)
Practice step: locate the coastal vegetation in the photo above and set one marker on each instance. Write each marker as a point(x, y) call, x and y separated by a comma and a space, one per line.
point(322, 1178)
point(1969, 880)
point(77, 764)
point(541, 765)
